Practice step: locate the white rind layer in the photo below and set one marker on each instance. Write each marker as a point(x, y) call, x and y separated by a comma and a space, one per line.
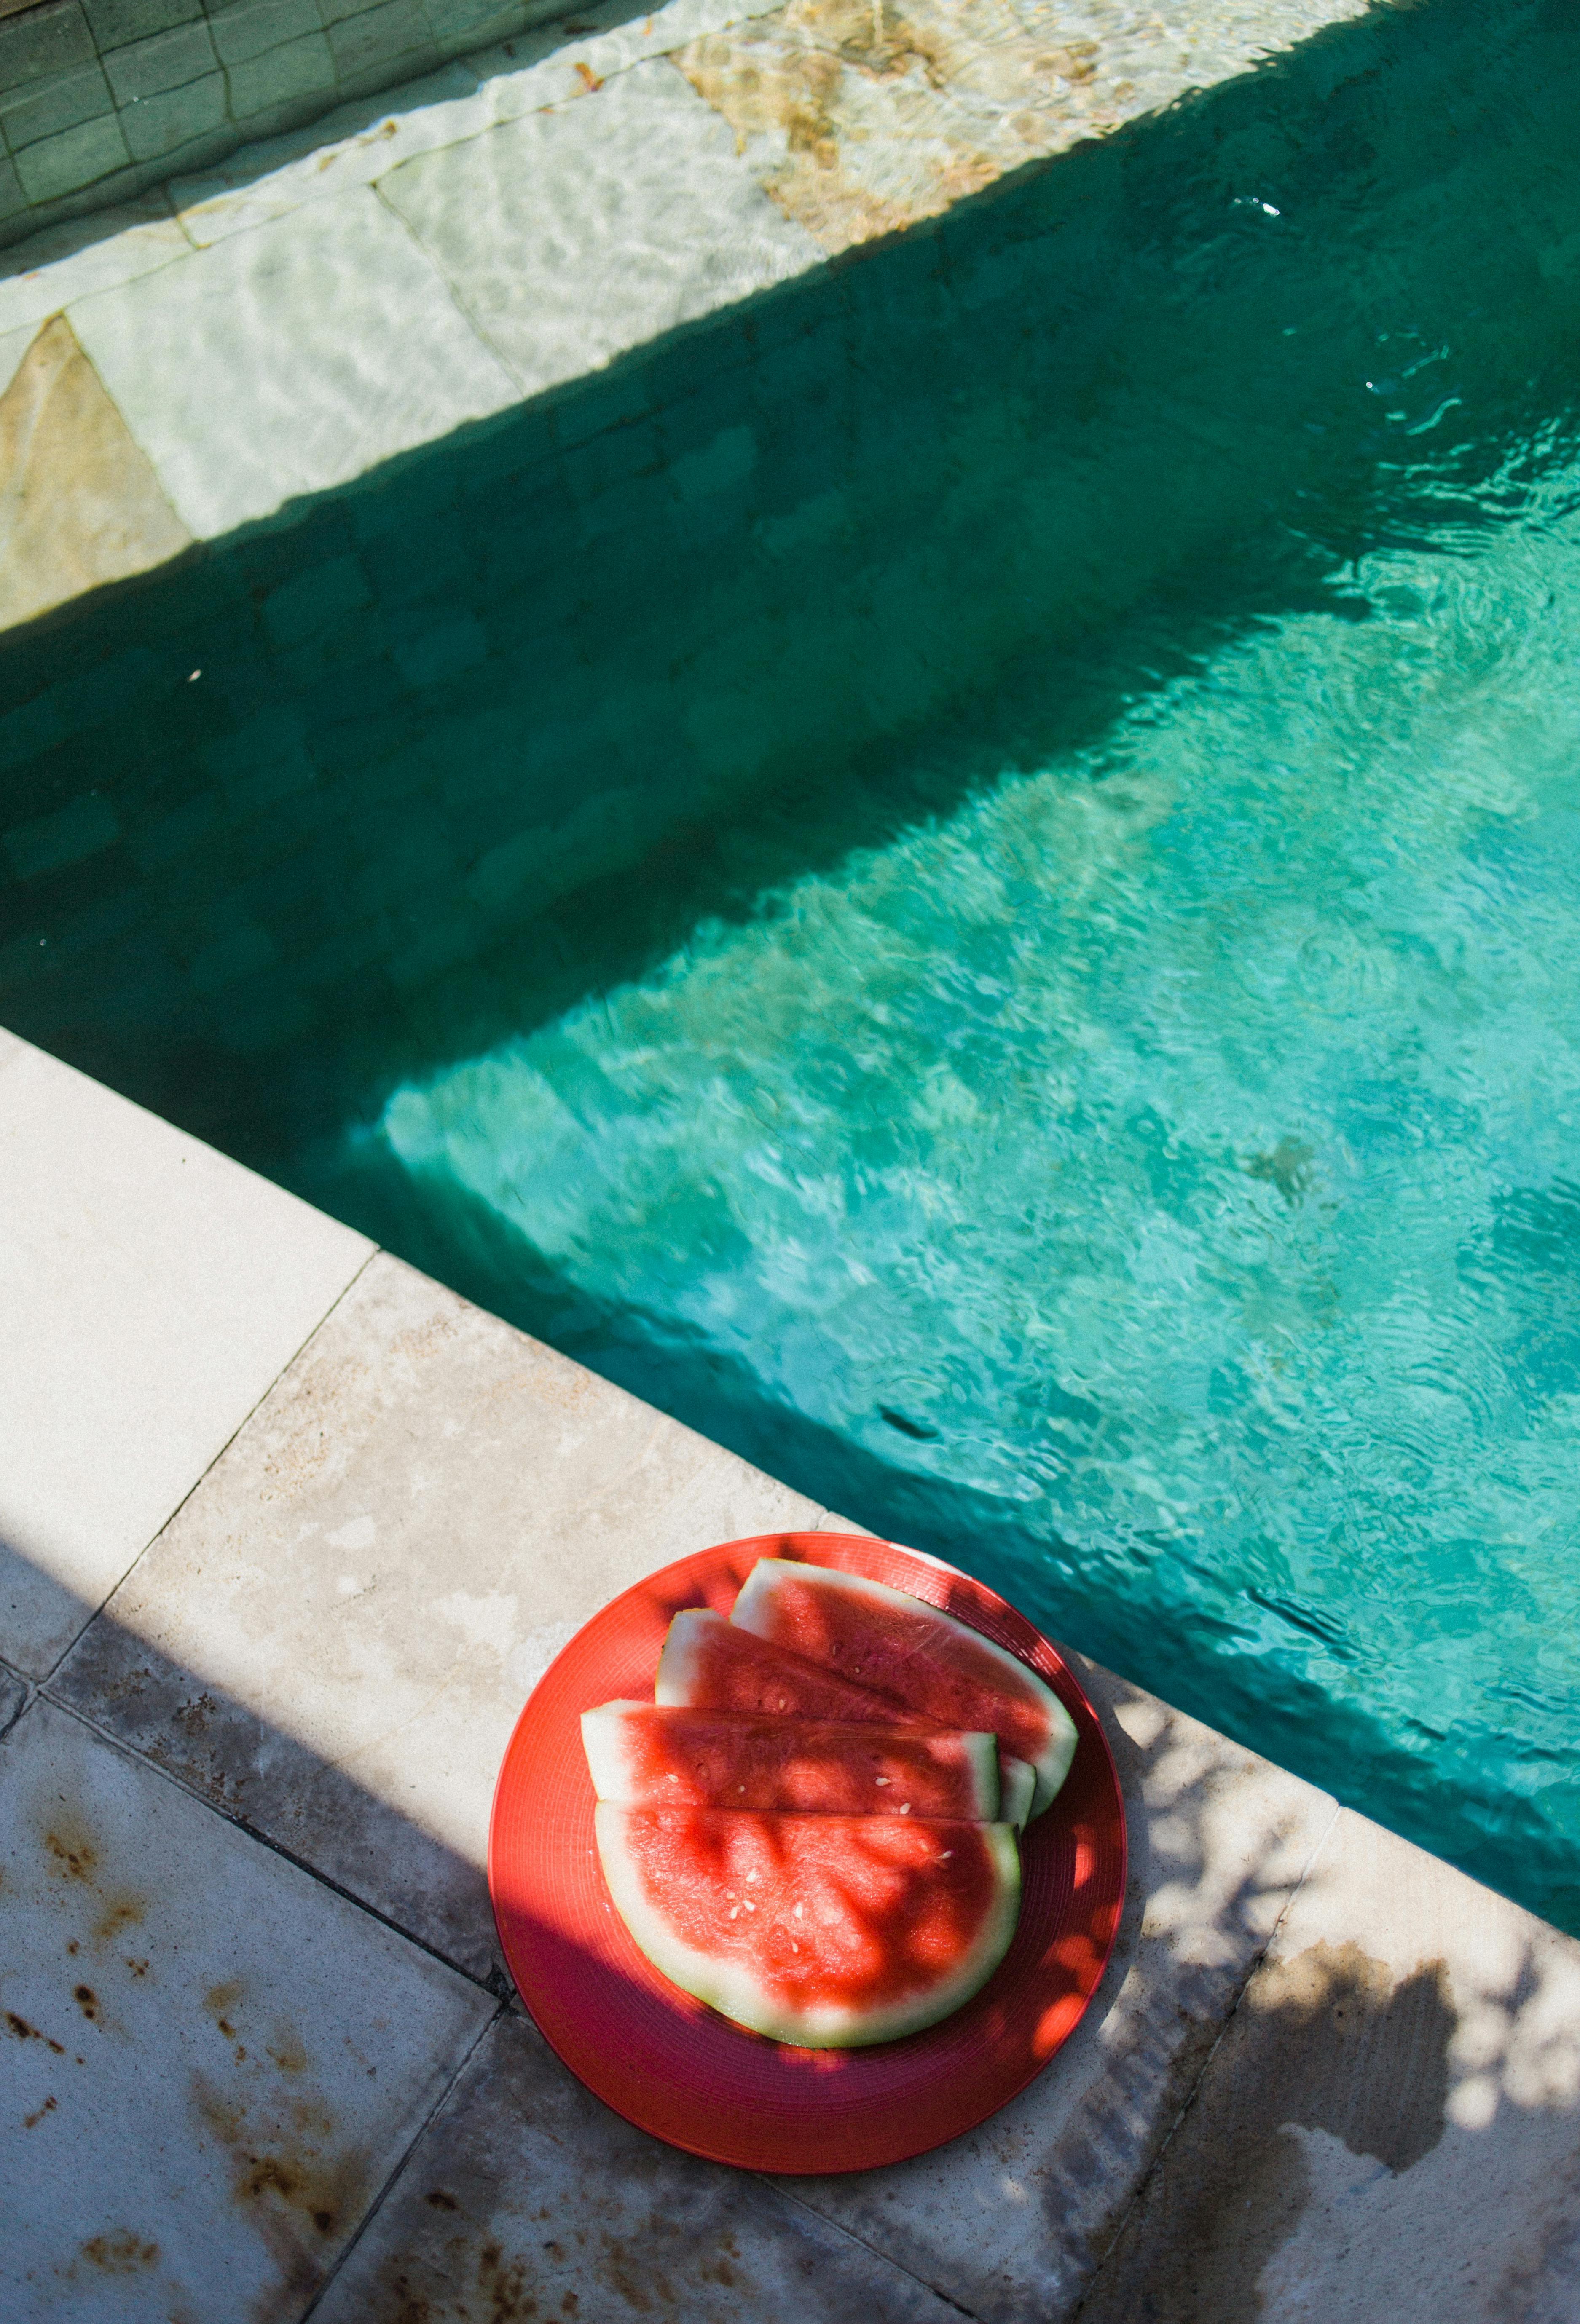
point(752, 1612)
point(1019, 1783)
point(604, 1742)
point(614, 1777)
point(676, 1674)
point(729, 1986)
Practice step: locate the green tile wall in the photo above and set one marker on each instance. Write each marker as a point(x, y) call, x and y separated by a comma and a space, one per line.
point(99, 98)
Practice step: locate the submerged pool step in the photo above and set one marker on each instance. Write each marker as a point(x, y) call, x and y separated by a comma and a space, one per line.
point(308, 307)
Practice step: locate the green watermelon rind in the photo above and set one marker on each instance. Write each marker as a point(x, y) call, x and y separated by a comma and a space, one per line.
point(1018, 1789)
point(601, 1741)
point(728, 1987)
point(1051, 1762)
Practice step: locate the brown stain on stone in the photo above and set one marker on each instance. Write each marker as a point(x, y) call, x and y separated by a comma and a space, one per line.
point(31, 2121)
point(1331, 2040)
point(122, 1912)
point(87, 2000)
point(70, 1849)
point(123, 2254)
point(289, 2177)
point(19, 2026)
point(890, 111)
point(287, 2052)
point(80, 504)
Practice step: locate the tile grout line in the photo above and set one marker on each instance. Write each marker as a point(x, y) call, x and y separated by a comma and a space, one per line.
point(376, 188)
point(171, 1515)
point(1150, 2172)
point(777, 2186)
point(261, 1838)
point(378, 2201)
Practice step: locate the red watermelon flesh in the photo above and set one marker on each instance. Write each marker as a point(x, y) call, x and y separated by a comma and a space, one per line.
point(894, 1644)
point(649, 1755)
point(824, 1931)
point(709, 1665)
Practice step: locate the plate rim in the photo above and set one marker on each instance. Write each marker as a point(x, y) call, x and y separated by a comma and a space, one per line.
point(795, 1544)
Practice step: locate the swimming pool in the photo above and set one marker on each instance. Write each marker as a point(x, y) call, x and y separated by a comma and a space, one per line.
point(1099, 1099)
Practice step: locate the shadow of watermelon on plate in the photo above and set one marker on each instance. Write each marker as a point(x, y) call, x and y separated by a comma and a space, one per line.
point(754, 1857)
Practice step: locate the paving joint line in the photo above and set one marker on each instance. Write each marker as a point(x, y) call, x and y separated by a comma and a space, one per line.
point(485, 1984)
point(166, 1522)
point(404, 2157)
point(766, 2178)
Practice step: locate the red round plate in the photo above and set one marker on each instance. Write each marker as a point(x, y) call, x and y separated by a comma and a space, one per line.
point(670, 2064)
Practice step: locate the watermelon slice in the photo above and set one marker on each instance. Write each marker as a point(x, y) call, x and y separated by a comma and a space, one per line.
point(1017, 1790)
point(645, 1755)
point(827, 1931)
point(708, 1664)
point(872, 1635)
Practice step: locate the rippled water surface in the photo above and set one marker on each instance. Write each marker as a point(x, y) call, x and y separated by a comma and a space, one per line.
point(1119, 1130)
point(1172, 1153)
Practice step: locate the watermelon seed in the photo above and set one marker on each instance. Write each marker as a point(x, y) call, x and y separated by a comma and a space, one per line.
point(748, 1904)
point(800, 1912)
point(734, 1912)
point(905, 1807)
point(880, 1779)
point(947, 1854)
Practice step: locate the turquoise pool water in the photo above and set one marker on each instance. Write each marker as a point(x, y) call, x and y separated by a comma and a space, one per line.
point(1173, 1155)
point(1018, 962)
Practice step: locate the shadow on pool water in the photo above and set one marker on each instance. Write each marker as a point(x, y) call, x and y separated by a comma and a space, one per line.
point(1025, 721)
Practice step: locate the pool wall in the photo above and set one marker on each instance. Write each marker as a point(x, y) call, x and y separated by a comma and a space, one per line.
point(286, 781)
point(102, 98)
point(335, 798)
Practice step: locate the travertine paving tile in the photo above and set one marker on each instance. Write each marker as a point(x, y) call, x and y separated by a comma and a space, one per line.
point(1010, 2221)
point(209, 2063)
point(80, 503)
point(863, 116)
point(359, 144)
point(12, 1695)
point(337, 1633)
point(287, 359)
point(1392, 2125)
point(527, 2198)
point(579, 232)
point(152, 1291)
point(40, 276)
point(14, 346)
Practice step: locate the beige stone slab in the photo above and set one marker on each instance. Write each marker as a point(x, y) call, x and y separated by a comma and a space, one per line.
point(582, 231)
point(356, 145)
point(152, 1290)
point(13, 1697)
point(860, 117)
point(80, 503)
point(1010, 2221)
point(1392, 2125)
point(209, 2063)
point(526, 2198)
point(288, 359)
point(14, 346)
point(41, 276)
point(337, 1632)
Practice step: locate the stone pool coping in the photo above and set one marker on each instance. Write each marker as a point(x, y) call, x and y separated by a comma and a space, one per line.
point(286, 318)
point(287, 1530)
